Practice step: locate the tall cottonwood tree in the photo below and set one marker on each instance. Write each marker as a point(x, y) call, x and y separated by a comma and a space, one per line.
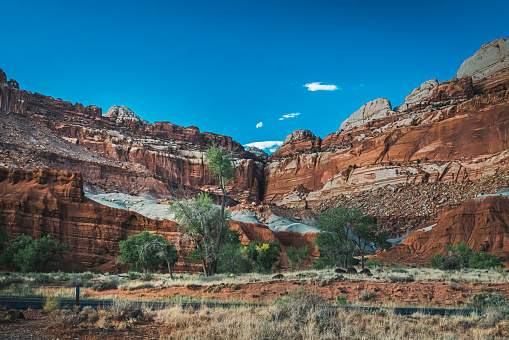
point(204, 223)
point(223, 168)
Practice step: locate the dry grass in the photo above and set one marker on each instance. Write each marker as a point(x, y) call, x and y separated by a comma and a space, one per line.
point(306, 316)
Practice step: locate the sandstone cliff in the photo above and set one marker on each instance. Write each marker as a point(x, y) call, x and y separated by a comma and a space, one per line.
point(117, 150)
point(482, 223)
point(403, 166)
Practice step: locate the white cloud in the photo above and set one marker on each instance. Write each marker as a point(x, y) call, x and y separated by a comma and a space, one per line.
point(290, 115)
point(267, 146)
point(318, 87)
point(259, 125)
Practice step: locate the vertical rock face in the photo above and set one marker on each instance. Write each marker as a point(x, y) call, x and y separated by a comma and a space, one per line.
point(490, 59)
point(117, 150)
point(42, 202)
point(378, 108)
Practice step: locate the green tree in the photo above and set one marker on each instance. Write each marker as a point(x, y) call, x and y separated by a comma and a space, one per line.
point(4, 236)
point(202, 221)
point(366, 233)
point(264, 255)
point(297, 256)
point(483, 261)
point(293, 256)
point(148, 252)
point(28, 255)
point(335, 246)
point(223, 168)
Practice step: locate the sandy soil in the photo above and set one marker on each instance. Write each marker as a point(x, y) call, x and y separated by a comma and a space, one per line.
point(432, 293)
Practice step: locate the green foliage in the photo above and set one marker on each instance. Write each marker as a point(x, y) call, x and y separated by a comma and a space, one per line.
point(133, 275)
point(4, 235)
point(437, 261)
point(373, 264)
point(485, 300)
point(28, 255)
point(297, 256)
point(341, 300)
point(483, 261)
point(264, 255)
point(463, 256)
point(203, 222)
point(335, 246)
point(293, 255)
point(220, 164)
point(233, 259)
point(147, 252)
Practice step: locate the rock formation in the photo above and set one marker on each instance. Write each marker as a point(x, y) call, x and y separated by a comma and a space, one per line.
point(482, 223)
point(378, 108)
point(117, 150)
point(445, 144)
point(491, 58)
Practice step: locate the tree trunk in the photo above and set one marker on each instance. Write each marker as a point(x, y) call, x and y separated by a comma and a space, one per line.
point(169, 270)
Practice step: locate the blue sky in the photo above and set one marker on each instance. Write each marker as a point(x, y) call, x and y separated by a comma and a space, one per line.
point(226, 66)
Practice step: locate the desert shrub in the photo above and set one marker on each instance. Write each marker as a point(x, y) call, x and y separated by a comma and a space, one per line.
point(437, 261)
point(43, 279)
point(485, 300)
point(484, 261)
point(464, 257)
point(401, 279)
point(341, 300)
point(367, 295)
point(399, 269)
point(9, 280)
point(133, 275)
point(122, 310)
point(147, 276)
point(233, 259)
point(373, 264)
point(105, 285)
point(18, 289)
point(263, 255)
point(51, 304)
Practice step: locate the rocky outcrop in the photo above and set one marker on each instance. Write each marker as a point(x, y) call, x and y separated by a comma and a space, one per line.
point(378, 108)
point(482, 223)
point(450, 135)
point(418, 95)
point(117, 150)
point(43, 202)
point(296, 142)
point(122, 114)
point(491, 58)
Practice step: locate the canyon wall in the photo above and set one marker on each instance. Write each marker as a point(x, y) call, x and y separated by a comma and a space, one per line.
point(117, 150)
point(446, 143)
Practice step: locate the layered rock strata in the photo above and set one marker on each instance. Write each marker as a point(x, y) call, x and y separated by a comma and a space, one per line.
point(117, 149)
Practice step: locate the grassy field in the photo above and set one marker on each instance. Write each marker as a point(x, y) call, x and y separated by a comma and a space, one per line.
point(301, 315)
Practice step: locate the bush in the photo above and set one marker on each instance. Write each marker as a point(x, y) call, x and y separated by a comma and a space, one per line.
point(484, 261)
point(264, 255)
point(452, 263)
point(28, 255)
point(401, 279)
point(51, 304)
point(341, 300)
point(373, 264)
point(133, 275)
point(437, 261)
point(464, 257)
point(105, 285)
point(233, 259)
point(485, 300)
